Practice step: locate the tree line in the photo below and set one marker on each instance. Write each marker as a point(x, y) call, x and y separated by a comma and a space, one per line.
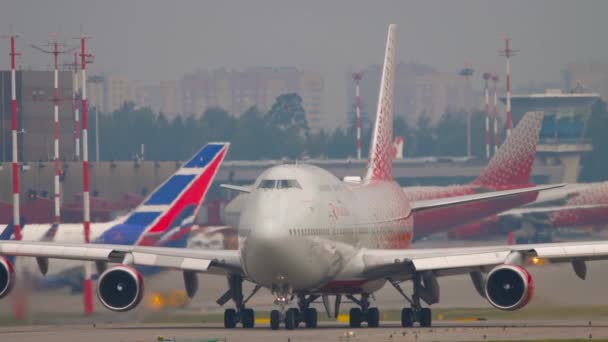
point(283, 132)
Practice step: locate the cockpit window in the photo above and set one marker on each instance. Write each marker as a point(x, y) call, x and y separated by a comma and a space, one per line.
point(279, 184)
point(267, 184)
point(288, 183)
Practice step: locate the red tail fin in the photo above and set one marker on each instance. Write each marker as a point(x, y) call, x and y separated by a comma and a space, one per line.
point(512, 163)
point(380, 165)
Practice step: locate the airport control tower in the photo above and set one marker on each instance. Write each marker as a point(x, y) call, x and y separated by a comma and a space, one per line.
point(562, 137)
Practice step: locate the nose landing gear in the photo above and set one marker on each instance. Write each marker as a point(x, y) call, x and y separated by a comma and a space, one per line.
point(292, 317)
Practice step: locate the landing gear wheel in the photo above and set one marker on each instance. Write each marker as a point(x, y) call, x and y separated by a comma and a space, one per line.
point(248, 318)
point(275, 319)
point(310, 317)
point(373, 317)
point(407, 318)
point(355, 317)
point(425, 317)
point(229, 318)
point(296, 315)
point(291, 319)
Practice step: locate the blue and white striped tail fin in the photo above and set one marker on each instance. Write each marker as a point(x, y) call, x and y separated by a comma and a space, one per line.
point(183, 192)
point(9, 232)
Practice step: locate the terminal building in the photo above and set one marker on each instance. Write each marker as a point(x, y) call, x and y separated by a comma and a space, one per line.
point(35, 115)
point(562, 137)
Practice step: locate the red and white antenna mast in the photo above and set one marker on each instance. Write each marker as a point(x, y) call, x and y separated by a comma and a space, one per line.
point(508, 53)
point(19, 303)
point(75, 92)
point(16, 215)
point(357, 76)
point(88, 284)
point(57, 186)
point(495, 81)
point(486, 77)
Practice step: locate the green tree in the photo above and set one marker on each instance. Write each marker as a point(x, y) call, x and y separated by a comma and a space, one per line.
point(424, 139)
point(250, 140)
point(218, 125)
point(287, 112)
point(401, 128)
point(451, 133)
point(478, 135)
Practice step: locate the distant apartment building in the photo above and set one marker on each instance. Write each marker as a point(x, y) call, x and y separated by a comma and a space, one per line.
point(108, 93)
point(170, 98)
point(588, 76)
point(118, 92)
point(236, 91)
point(439, 93)
point(96, 94)
point(420, 90)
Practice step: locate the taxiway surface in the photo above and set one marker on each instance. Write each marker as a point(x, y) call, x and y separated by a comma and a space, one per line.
point(391, 331)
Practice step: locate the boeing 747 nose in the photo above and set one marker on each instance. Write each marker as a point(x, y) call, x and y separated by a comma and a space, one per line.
point(282, 247)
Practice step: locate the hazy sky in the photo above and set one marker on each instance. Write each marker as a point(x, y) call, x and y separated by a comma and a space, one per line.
point(153, 40)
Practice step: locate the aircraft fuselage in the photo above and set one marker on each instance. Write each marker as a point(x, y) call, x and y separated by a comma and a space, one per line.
point(302, 228)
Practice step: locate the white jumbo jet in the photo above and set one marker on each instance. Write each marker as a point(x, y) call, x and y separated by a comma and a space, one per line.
point(304, 234)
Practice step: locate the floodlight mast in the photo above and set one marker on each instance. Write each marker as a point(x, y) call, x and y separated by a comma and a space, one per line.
point(55, 51)
point(507, 52)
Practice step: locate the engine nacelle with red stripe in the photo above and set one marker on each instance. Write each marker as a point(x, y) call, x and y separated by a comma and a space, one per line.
point(120, 288)
point(509, 287)
point(7, 277)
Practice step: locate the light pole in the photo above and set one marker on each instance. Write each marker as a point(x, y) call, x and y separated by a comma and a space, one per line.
point(96, 80)
point(467, 72)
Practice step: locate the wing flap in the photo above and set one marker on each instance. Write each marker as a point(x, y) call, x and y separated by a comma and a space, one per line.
point(551, 209)
point(458, 261)
point(54, 251)
point(450, 261)
point(576, 251)
point(175, 258)
point(174, 262)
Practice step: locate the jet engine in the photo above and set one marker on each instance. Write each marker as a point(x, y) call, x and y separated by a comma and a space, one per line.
point(120, 288)
point(7, 277)
point(509, 287)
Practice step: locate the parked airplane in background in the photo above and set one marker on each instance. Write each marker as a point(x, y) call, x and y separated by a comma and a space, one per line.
point(305, 234)
point(509, 168)
point(163, 219)
point(573, 206)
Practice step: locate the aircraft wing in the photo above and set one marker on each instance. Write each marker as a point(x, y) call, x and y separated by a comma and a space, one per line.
point(239, 188)
point(403, 264)
point(487, 196)
point(521, 212)
point(211, 261)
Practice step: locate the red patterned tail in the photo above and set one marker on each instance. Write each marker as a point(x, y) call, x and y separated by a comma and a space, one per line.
point(512, 164)
point(380, 165)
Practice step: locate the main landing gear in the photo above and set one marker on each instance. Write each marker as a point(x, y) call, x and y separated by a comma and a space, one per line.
point(241, 314)
point(363, 313)
point(425, 288)
point(293, 316)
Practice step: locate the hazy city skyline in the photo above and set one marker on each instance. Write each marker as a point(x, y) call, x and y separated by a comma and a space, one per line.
point(150, 41)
